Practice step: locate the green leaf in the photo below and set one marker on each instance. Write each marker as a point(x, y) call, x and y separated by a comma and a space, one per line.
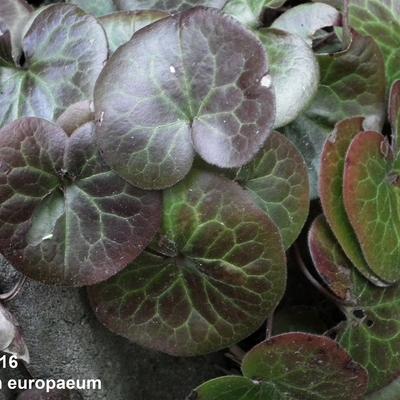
point(371, 195)
point(394, 114)
point(65, 218)
point(352, 84)
point(120, 26)
point(304, 366)
point(306, 19)
point(277, 180)
point(294, 70)
point(331, 192)
point(60, 68)
point(204, 88)
point(14, 15)
point(329, 260)
point(75, 116)
point(371, 332)
point(249, 12)
point(373, 340)
point(172, 6)
point(237, 388)
point(227, 275)
point(380, 19)
point(292, 366)
point(96, 7)
point(390, 392)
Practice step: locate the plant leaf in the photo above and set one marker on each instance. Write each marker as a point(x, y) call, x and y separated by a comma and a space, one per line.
point(120, 26)
point(277, 180)
point(305, 19)
point(329, 260)
point(248, 12)
point(394, 114)
point(380, 19)
point(14, 15)
point(207, 90)
point(97, 8)
point(75, 116)
point(65, 218)
point(61, 66)
point(237, 388)
point(305, 366)
point(294, 70)
point(173, 6)
point(390, 392)
point(11, 339)
point(352, 83)
point(371, 196)
point(331, 193)
point(371, 332)
point(227, 275)
point(373, 340)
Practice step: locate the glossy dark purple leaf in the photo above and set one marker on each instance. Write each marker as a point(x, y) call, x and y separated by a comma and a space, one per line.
point(204, 88)
point(65, 217)
point(227, 273)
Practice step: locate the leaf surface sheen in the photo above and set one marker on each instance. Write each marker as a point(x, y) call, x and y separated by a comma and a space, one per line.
point(352, 84)
point(120, 26)
point(203, 89)
point(371, 332)
point(65, 218)
point(371, 194)
point(249, 12)
point(292, 366)
point(227, 275)
point(331, 193)
point(60, 67)
point(380, 19)
point(277, 180)
point(294, 71)
point(329, 260)
point(306, 19)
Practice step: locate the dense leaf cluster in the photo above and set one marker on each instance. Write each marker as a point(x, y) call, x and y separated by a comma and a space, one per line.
point(139, 156)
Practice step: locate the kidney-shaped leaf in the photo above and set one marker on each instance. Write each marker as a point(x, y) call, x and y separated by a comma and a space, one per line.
point(171, 6)
point(96, 7)
point(249, 12)
point(277, 180)
point(331, 192)
point(371, 332)
point(294, 71)
point(202, 88)
point(380, 19)
point(352, 83)
point(120, 26)
point(60, 67)
point(394, 114)
point(292, 366)
point(237, 388)
point(306, 366)
point(14, 15)
point(371, 195)
point(305, 19)
point(329, 260)
point(65, 218)
point(227, 274)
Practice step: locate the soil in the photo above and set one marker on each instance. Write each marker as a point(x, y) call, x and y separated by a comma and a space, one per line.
point(66, 341)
